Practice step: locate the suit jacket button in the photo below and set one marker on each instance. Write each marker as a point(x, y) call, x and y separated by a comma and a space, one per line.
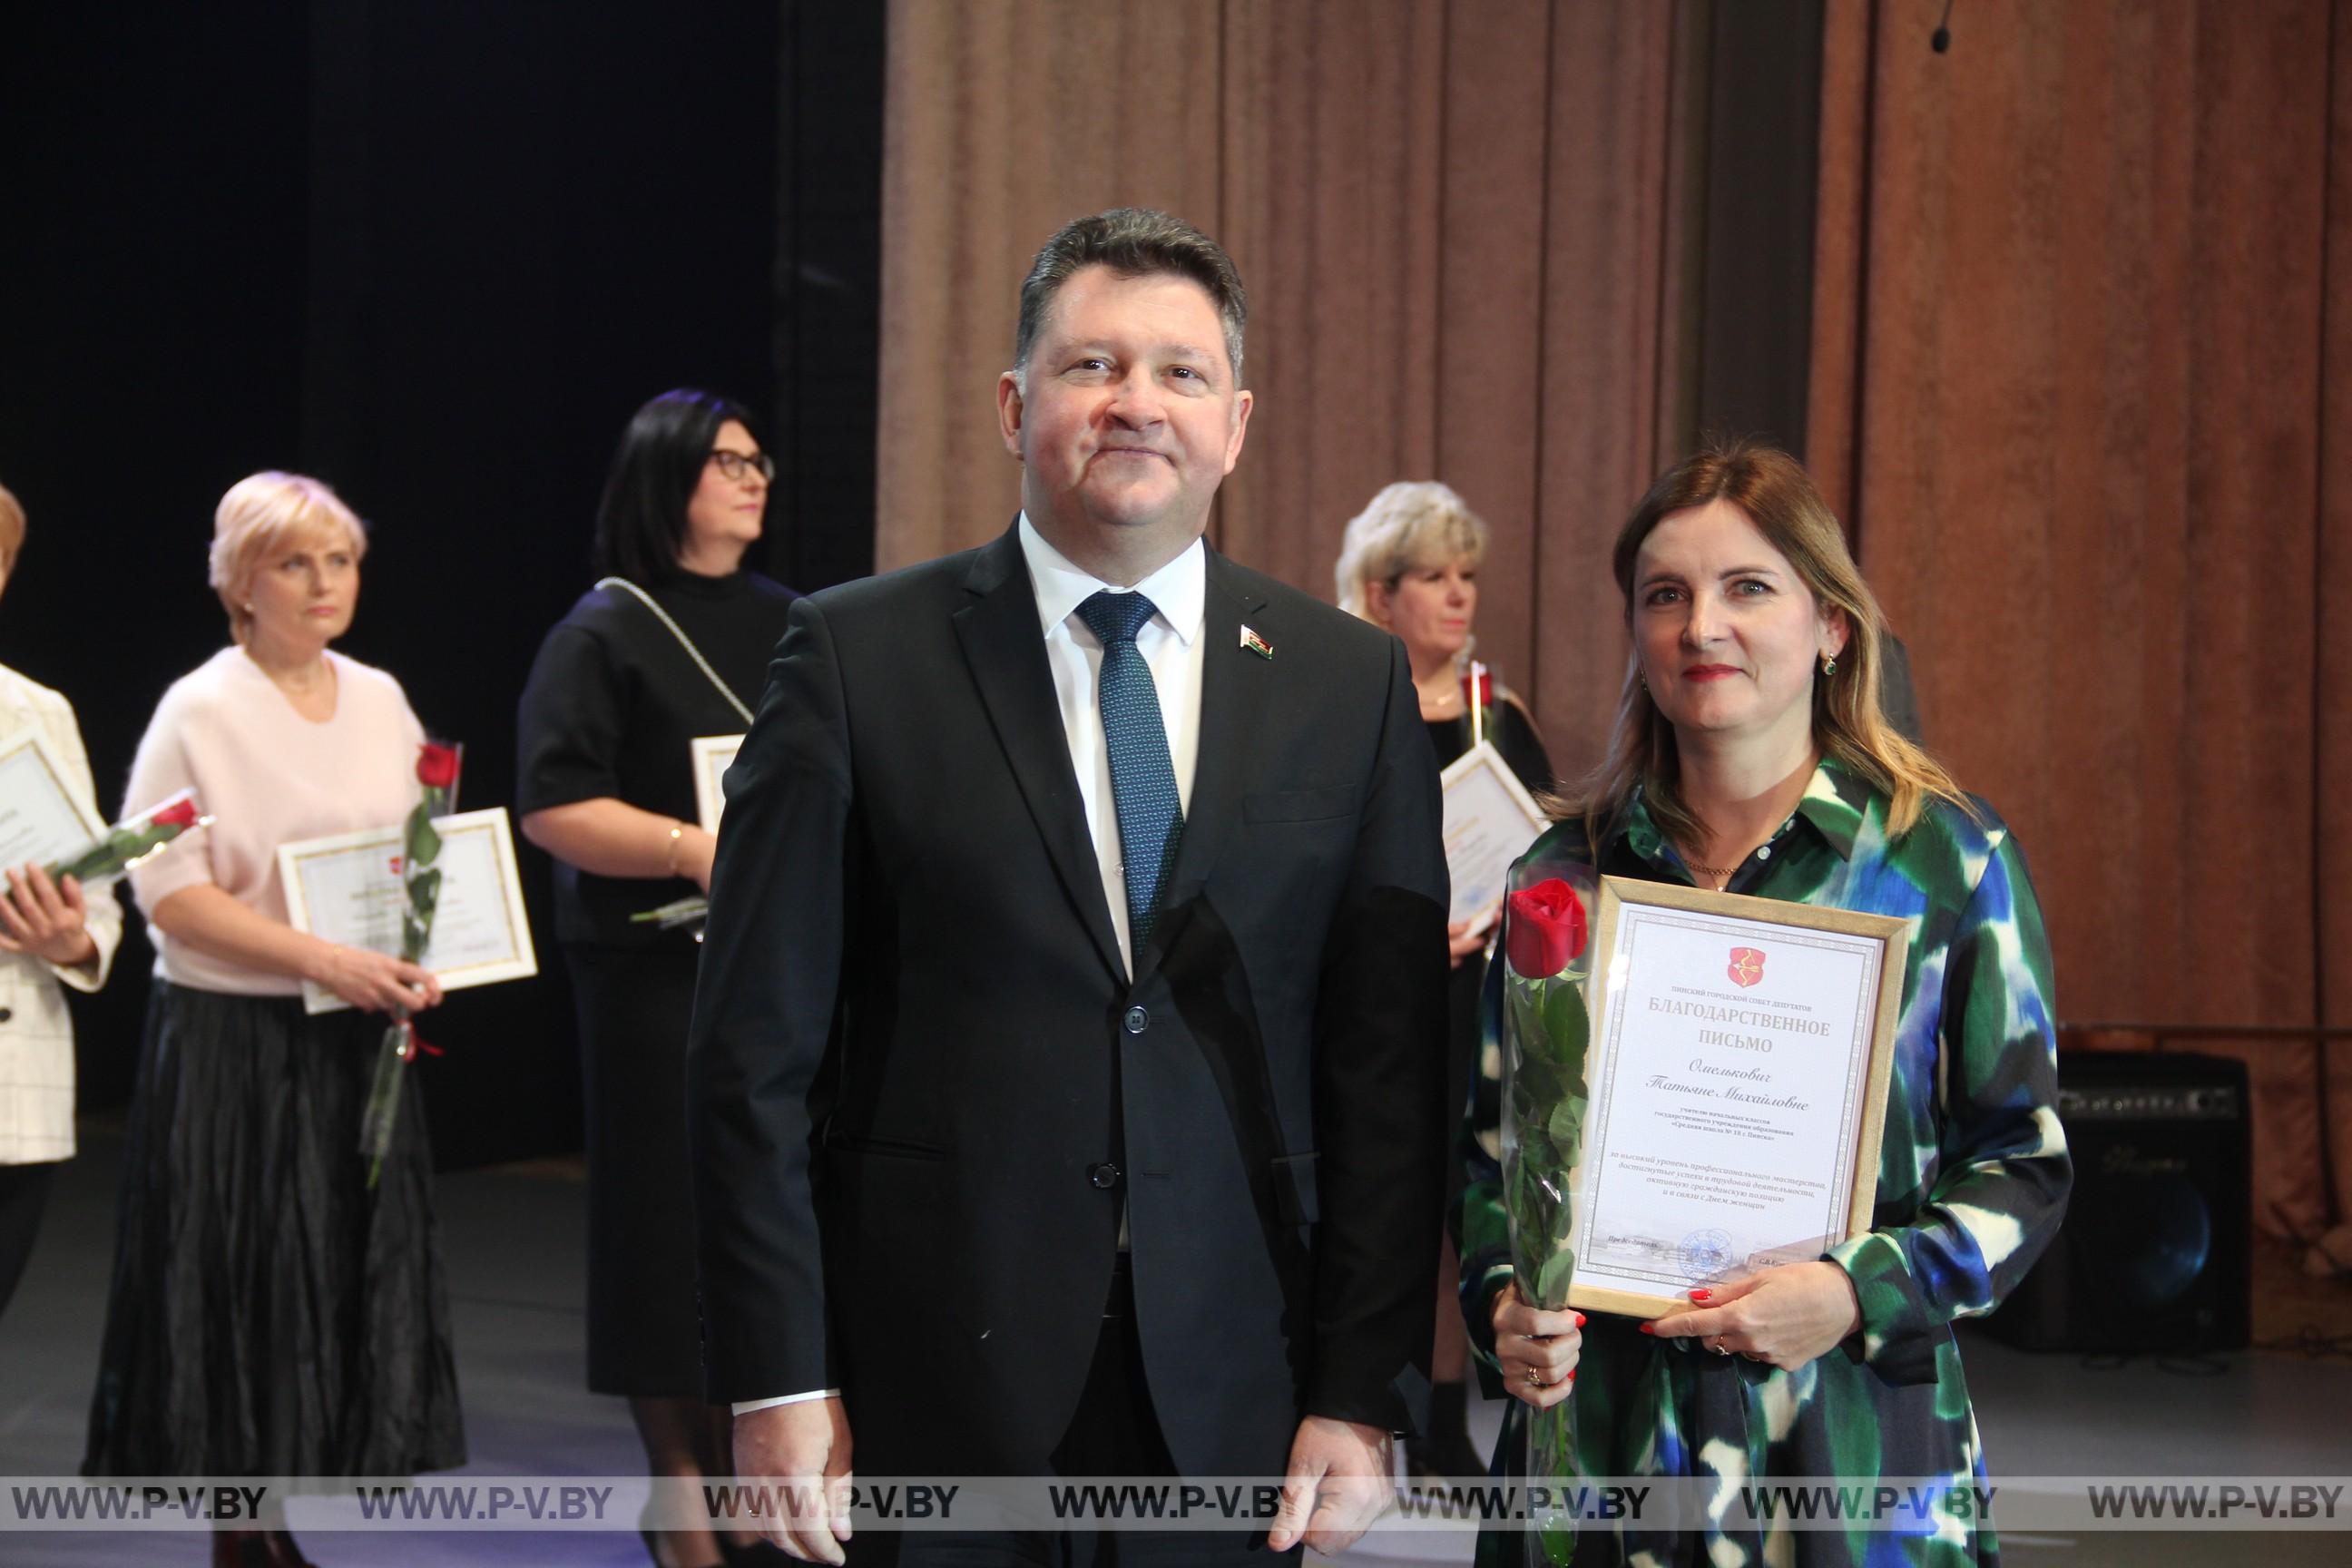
point(1138, 1020)
point(6, 1013)
point(1105, 1176)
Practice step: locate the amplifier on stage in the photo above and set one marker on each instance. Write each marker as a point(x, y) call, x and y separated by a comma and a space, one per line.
point(2156, 1253)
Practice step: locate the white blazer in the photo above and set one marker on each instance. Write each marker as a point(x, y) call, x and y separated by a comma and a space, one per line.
point(36, 1056)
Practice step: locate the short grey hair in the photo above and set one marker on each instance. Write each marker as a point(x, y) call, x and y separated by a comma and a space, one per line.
point(1134, 242)
point(1414, 522)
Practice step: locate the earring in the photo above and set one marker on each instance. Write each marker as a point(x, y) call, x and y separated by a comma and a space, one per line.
point(1829, 664)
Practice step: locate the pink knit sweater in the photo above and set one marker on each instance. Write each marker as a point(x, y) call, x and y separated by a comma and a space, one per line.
point(271, 777)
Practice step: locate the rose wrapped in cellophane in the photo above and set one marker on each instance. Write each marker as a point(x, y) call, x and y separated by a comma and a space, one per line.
point(438, 767)
point(137, 837)
point(1546, 1030)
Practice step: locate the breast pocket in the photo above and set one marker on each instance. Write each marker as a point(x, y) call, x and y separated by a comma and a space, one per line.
point(1303, 805)
point(871, 1146)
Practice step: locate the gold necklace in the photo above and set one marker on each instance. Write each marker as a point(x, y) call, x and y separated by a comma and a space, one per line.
point(1719, 873)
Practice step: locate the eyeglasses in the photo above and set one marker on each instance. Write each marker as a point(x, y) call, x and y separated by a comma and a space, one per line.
point(734, 465)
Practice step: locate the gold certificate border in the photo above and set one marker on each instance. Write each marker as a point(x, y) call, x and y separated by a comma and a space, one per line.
point(522, 962)
point(30, 739)
point(1858, 1155)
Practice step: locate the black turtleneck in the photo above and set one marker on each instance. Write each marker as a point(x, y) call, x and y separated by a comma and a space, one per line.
point(610, 709)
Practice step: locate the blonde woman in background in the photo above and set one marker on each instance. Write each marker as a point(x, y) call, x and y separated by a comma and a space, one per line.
point(1409, 562)
point(269, 1314)
point(52, 935)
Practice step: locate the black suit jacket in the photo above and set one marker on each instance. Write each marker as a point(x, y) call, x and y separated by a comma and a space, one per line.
point(914, 1042)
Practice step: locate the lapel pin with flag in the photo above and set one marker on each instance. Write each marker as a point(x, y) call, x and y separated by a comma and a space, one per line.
point(1257, 645)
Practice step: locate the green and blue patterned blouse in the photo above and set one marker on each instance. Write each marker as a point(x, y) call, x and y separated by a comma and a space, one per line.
point(1973, 1176)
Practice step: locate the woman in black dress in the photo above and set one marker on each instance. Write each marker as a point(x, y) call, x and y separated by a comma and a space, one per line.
point(672, 645)
point(1410, 562)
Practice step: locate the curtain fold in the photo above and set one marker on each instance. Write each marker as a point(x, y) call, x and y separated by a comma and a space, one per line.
point(1458, 227)
point(2068, 388)
point(2073, 383)
point(2332, 607)
point(1002, 121)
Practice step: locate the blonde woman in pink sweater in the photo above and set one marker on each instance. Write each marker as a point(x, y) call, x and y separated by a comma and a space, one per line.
point(269, 1313)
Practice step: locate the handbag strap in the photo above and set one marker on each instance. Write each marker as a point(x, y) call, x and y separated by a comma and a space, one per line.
point(684, 641)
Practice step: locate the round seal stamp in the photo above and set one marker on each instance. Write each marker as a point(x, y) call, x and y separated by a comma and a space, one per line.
point(1705, 1254)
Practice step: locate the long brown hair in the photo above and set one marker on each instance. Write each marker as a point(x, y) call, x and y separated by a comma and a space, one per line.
point(1776, 494)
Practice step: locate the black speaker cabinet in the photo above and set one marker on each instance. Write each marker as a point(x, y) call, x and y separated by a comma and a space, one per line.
point(2156, 1254)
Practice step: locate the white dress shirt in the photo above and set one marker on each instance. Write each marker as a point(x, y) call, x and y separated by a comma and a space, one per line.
point(1171, 644)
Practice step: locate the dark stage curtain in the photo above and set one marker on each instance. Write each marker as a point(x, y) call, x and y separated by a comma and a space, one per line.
point(435, 253)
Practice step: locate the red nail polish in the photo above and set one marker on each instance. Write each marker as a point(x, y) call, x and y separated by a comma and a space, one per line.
point(1579, 1319)
point(1648, 1330)
point(1701, 1294)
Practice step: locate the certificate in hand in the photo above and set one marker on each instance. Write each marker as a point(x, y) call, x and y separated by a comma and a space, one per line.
point(713, 755)
point(40, 820)
point(1490, 820)
point(1741, 1050)
point(347, 889)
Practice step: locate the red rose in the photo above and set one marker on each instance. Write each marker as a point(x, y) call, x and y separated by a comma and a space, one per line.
point(436, 766)
point(1478, 690)
point(1543, 929)
point(181, 812)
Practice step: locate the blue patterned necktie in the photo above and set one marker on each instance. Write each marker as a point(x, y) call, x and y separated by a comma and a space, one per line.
point(1143, 774)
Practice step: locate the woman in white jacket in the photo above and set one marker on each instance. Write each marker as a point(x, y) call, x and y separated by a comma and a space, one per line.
point(51, 936)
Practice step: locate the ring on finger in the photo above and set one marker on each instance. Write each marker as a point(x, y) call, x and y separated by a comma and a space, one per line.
point(1535, 1379)
point(1718, 1347)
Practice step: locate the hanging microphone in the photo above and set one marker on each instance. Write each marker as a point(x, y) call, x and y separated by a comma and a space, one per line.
point(1941, 39)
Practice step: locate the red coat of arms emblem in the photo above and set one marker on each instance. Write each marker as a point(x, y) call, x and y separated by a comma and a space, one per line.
point(1747, 966)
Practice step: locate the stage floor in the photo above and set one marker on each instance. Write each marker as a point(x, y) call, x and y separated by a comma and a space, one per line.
point(515, 1254)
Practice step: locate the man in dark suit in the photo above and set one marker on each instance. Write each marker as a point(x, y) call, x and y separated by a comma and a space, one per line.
point(1072, 1004)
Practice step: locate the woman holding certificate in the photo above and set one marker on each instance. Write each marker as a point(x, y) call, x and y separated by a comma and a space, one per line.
point(670, 648)
point(1409, 563)
point(269, 1314)
point(52, 935)
point(1750, 755)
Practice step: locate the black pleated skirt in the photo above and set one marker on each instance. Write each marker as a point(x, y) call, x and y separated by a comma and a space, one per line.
point(644, 1335)
point(269, 1314)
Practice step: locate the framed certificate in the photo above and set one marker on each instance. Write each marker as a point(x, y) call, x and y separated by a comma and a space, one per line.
point(1741, 1049)
point(39, 817)
point(713, 755)
point(346, 889)
point(1490, 820)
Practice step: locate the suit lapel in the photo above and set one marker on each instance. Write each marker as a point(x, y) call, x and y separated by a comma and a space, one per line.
point(1006, 651)
point(1235, 682)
